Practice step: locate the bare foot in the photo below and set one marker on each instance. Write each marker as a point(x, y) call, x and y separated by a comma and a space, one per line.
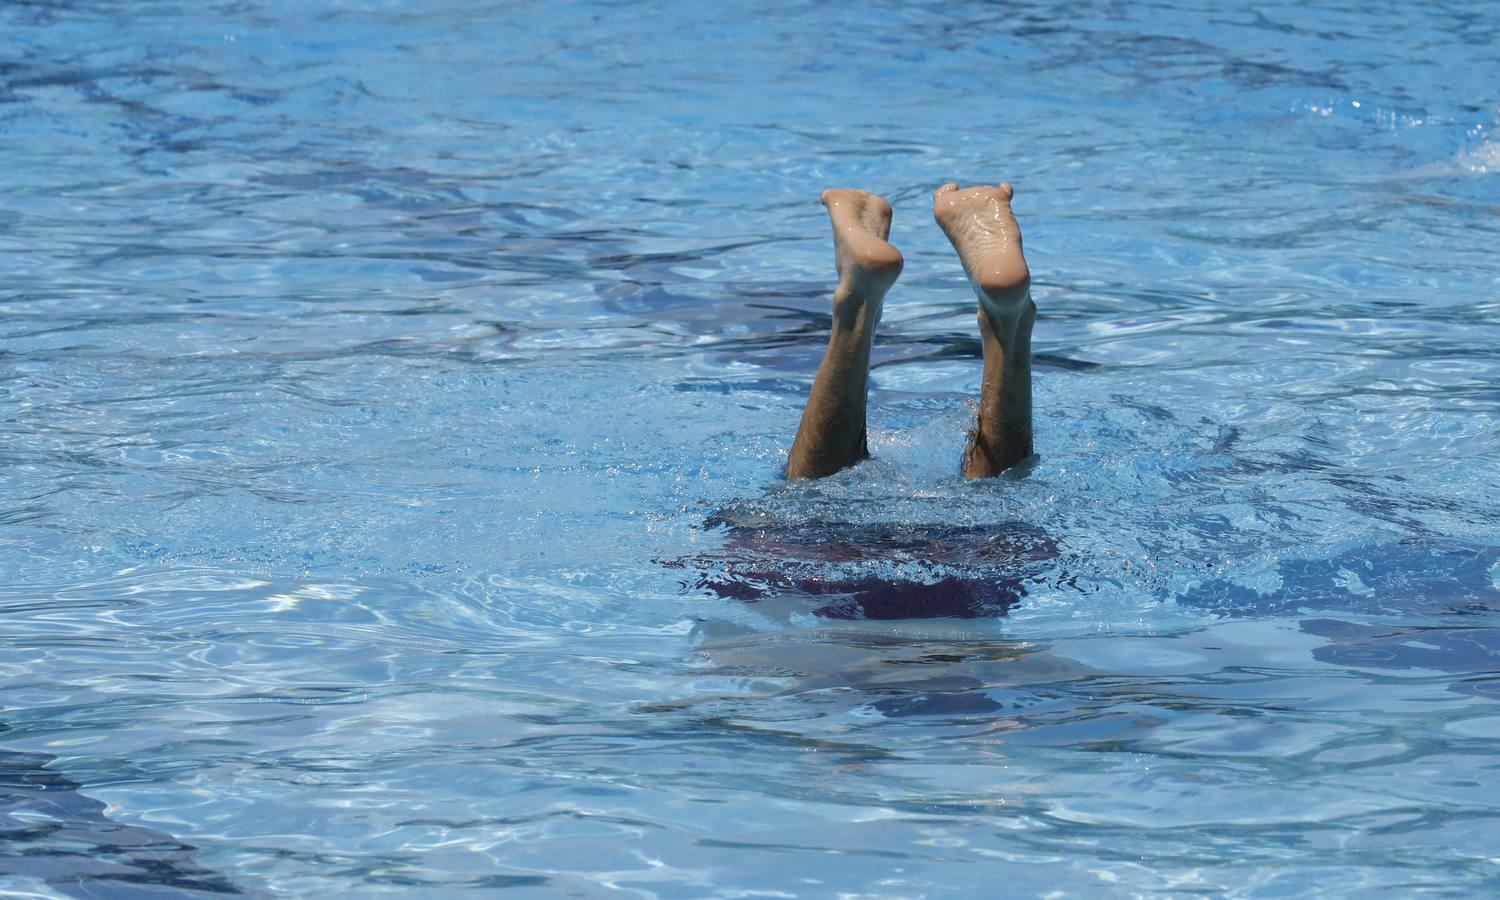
point(983, 230)
point(867, 264)
point(981, 227)
point(832, 434)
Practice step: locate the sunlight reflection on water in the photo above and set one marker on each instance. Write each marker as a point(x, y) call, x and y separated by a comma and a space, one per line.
point(395, 400)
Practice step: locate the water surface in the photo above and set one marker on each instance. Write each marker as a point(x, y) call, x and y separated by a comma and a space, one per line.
point(394, 398)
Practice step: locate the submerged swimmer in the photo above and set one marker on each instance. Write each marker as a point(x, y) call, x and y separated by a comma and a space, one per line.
point(979, 223)
point(897, 571)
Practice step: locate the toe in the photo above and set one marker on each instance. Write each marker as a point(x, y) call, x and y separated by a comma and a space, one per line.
point(945, 189)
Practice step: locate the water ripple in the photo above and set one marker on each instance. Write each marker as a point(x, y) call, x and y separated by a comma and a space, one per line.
point(395, 402)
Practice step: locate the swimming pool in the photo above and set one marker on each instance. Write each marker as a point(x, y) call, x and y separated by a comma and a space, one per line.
point(394, 397)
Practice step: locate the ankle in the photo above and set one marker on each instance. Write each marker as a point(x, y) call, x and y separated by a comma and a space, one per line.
point(1004, 323)
point(995, 446)
point(854, 308)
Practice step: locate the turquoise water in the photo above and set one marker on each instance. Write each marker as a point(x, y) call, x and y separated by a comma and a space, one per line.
point(394, 397)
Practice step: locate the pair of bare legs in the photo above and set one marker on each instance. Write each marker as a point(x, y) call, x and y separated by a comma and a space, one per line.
point(979, 223)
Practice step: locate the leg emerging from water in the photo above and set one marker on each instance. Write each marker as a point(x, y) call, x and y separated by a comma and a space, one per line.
point(981, 227)
point(832, 433)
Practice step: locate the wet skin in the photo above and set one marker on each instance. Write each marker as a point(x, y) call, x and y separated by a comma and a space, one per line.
point(982, 228)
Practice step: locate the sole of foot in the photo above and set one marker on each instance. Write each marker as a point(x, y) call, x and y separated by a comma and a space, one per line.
point(866, 261)
point(979, 223)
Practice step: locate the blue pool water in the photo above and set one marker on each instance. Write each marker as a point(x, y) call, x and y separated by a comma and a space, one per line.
point(394, 396)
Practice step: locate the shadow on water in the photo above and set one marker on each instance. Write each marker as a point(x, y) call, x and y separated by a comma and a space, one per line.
point(1471, 652)
point(1426, 577)
point(784, 325)
point(886, 617)
point(51, 832)
point(898, 674)
point(873, 571)
point(892, 615)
